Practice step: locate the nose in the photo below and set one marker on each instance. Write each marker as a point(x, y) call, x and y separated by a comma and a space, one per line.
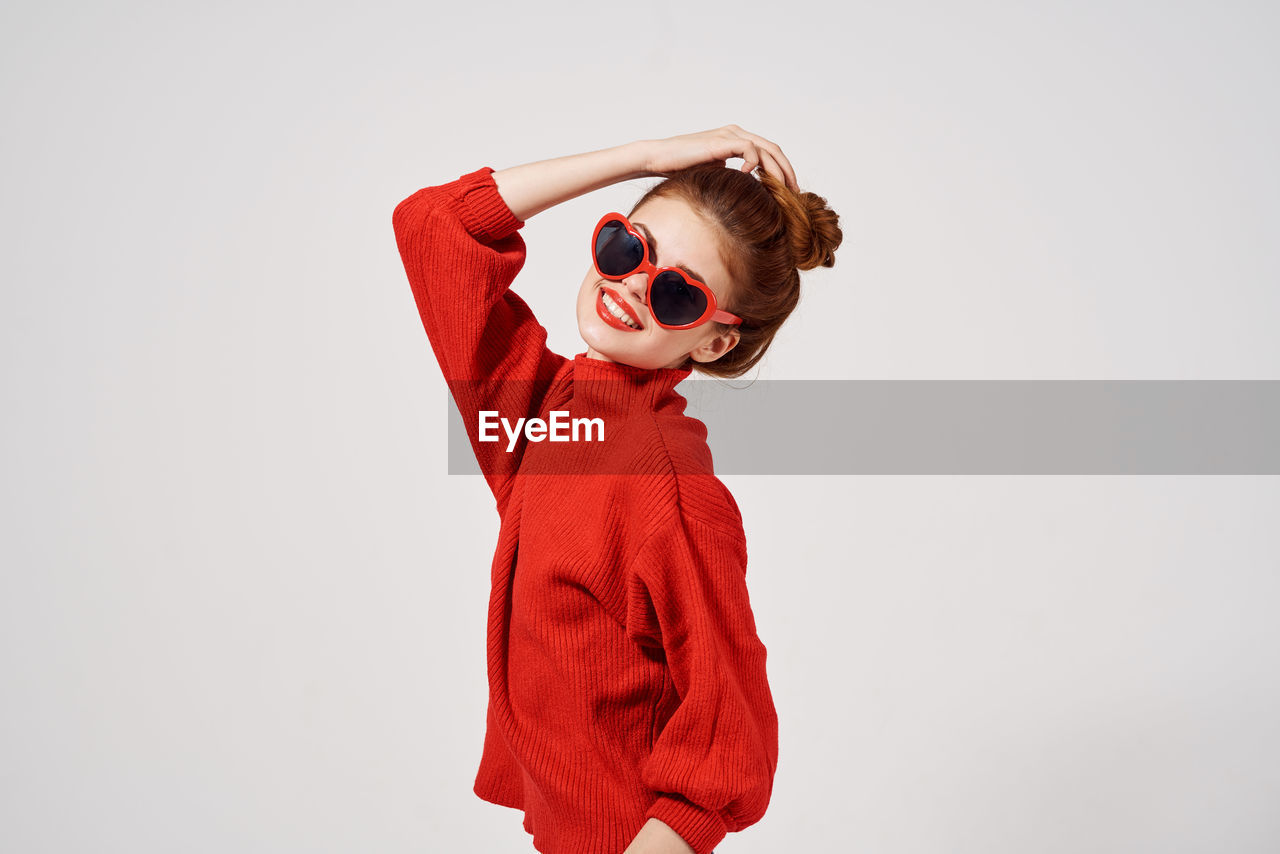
point(637, 286)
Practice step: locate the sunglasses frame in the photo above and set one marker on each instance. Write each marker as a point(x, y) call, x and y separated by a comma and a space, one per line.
point(647, 266)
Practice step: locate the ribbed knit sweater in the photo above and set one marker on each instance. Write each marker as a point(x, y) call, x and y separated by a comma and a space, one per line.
point(626, 677)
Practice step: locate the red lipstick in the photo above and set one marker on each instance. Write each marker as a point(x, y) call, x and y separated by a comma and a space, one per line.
point(608, 316)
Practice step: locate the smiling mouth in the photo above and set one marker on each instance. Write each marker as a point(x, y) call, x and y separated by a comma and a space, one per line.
point(613, 310)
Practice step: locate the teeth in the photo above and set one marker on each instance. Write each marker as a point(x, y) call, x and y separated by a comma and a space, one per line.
point(618, 311)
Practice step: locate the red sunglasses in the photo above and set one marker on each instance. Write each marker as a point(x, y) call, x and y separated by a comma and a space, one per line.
point(676, 300)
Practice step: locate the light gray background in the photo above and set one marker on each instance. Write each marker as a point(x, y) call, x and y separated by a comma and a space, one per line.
point(243, 605)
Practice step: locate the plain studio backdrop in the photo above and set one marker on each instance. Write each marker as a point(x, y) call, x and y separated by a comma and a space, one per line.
point(243, 602)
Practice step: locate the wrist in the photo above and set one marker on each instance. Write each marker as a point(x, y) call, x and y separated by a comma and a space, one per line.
point(656, 837)
point(638, 156)
point(699, 828)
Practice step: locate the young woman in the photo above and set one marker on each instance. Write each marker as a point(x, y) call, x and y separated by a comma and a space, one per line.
point(629, 707)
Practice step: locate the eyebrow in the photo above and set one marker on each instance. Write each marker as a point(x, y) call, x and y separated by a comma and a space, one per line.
point(653, 247)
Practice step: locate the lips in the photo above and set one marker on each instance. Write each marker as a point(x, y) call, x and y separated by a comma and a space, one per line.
point(608, 317)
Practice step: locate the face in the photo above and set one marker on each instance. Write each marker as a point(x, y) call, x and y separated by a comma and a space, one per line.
point(680, 237)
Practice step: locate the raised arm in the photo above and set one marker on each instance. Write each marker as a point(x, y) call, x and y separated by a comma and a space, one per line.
point(461, 249)
point(533, 187)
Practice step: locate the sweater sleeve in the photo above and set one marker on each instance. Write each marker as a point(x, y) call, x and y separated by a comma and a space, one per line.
point(461, 251)
point(712, 765)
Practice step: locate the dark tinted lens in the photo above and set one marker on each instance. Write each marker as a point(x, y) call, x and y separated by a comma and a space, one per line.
point(618, 251)
point(675, 302)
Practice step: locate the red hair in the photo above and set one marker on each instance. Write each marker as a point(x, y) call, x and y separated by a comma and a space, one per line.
point(769, 233)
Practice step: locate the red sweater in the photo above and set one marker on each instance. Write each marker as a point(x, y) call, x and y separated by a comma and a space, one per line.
point(626, 678)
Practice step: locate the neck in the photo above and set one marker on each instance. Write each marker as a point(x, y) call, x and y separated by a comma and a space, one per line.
point(678, 364)
point(614, 386)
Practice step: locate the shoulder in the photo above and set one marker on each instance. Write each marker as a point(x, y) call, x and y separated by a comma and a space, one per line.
point(677, 503)
point(703, 496)
point(684, 459)
point(699, 535)
point(705, 501)
point(685, 440)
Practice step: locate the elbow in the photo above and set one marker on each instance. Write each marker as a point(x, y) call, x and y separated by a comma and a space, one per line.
point(411, 214)
point(749, 809)
point(405, 214)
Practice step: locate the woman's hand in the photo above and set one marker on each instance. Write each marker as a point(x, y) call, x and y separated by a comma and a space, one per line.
point(657, 837)
point(680, 152)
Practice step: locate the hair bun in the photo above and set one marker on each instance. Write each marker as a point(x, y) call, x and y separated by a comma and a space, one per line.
point(813, 229)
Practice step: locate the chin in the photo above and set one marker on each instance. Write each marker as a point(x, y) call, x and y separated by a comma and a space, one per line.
point(613, 343)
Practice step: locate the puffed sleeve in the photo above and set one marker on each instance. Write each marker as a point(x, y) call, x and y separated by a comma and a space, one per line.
point(712, 765)
point(461, 249)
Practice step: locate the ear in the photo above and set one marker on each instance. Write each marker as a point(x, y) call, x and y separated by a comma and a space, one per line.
point(716, 347)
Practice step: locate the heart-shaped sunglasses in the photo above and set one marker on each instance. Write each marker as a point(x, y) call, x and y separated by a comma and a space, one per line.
point(675, 299)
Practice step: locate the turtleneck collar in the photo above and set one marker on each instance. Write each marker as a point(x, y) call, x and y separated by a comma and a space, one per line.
point(616, 387)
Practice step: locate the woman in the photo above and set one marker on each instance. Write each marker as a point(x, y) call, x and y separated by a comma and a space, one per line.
point(629, 707)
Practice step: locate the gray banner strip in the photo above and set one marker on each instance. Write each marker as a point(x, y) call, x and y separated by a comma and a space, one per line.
point(977, 427)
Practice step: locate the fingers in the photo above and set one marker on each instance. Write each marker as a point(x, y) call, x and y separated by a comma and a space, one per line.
point(781, 166)
point(788, 173)
point(773, 164)
point(770, 155)
point(773, 168)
